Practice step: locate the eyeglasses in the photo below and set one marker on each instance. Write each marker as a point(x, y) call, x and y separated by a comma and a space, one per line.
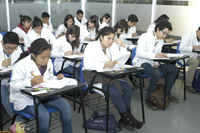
point(8, 48)
point(165, 33)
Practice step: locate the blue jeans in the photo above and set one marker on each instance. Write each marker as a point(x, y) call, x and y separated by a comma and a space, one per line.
point(121, 102)
point(57, 103)
point(70, 69)
point(155, 74)
point(6, 103)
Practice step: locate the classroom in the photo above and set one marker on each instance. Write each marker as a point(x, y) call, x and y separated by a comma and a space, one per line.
point(70, 52)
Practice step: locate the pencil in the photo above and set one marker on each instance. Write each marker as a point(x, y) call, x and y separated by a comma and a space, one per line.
point(115, 63)
point(37, 77)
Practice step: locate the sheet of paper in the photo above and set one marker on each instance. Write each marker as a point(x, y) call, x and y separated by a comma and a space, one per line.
point(159, 58)
point(136, 37)
point(39, 92)
point(174, 55)
point(4, 69)
point(75, 56)
point(121, 58)
point(58, 84)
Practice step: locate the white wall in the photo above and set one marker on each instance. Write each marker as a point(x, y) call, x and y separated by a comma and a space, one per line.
point(3, 20)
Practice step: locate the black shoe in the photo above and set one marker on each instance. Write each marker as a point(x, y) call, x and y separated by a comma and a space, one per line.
point(150, 105)
point(122, 122)
point(173, 99)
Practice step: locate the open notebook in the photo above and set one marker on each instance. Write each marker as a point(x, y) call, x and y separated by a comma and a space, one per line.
point(75, 56)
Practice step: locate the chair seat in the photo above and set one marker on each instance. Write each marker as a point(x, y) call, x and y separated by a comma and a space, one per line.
point(50, 110)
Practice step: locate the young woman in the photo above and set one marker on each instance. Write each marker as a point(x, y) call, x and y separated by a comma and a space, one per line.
point(38, 31)
point(23, 27)
point(38, 63)
point(90, 30)
point(104, 21)
point(68, 21)
point(67, 45)
point(96, 57)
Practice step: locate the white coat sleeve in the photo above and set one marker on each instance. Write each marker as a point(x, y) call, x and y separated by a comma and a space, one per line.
point(52, 39)
point(27, 42)
point(141, 48)
point(82, 33)
point(59, 31)
point(185, 40)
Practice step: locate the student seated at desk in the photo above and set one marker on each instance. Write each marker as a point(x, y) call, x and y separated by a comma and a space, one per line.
point(23, 27)
point(79, 20)
point(38, 31)
point(190, 42)
point(46, 23)
point(67, 45)
point(104, 21)
point(38, 63)
point(9, 53)
point(132, 21)
point(98, 56)
point(149, 46)
point(90, 30)
point(68, 21)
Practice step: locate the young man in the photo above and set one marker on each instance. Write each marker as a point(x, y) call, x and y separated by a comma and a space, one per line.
point(190, 42)
point(149, 46)
point(9, 53)
point(46, 23)
point(132, 21)
point(79, 20)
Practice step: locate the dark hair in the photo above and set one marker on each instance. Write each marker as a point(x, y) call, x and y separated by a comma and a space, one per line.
point(74, 30)
point(45, 14)
point(132, 18)
point(199, 28)
point(161, 17)
point(37, 22)
point(11, 37)
point(37, 47)
point(161, 25)
point(24, 18)
point(107, 31)
point(94, 19)
point(69, 16)
point(122, 24)
point(107, 16)
point(79, 12)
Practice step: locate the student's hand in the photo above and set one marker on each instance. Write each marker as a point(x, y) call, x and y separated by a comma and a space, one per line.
point(155, 66)
point(6, 62)
point(36, 80)
point(196, 47)
point(69, 53)
point(161, 55)
point(88, 39)
point(51, 45)
point(110, 64)
point(134, 34)
point(21, 39)
point(169, 40)
point(47, 23)
point(120, 42)
point(77, 52)
point(60, 76)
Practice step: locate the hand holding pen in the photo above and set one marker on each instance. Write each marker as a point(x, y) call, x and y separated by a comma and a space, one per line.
point(110, 64)
point(37, 79)
point(69, 53)
point(6, 63)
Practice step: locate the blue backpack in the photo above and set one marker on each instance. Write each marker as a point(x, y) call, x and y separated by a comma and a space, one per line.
point(196, 80)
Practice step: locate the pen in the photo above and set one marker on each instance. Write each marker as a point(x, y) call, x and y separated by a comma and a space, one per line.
point(115, 63)
point(37, 77)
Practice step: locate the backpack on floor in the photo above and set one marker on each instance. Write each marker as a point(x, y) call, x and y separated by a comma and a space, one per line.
point(196, 80)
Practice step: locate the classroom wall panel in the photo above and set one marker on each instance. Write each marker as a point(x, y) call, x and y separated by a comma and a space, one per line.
point(142, 11)
point(184, 19)
point(3, 17)
point(30, 9)
point(98, 9)
point(59, 11)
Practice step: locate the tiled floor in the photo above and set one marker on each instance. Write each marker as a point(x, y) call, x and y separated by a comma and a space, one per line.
point(182, 117)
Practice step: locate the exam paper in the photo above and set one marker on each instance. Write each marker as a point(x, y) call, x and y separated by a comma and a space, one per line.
point(39, 92)
point(174, 55)
point(75, 56)
point(5, 69)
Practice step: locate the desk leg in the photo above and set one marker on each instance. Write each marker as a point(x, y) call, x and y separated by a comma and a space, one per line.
point(83, 110)
point(36, 105)
point(184, 79)
point(141, 96)
point(1, 109)
point(107, 108)
point(165, 86)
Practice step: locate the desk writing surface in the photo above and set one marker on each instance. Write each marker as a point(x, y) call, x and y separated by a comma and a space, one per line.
point(171, 59)
point(74, 56)
point(132, 38)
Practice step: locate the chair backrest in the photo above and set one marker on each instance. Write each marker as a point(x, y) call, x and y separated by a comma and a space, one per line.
point(81, 74)
point(178, 45)
point(133, 54)
point(54, 71)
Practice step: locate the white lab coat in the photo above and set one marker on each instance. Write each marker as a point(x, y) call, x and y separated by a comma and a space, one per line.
point(102, 25)
point(20, 32)
point(146, 49)
point(32, 36)
point(58, 52)
point(14, 56)
point(151, 27)
point(61, 29)
point(21, 78)
point(189, 40)
point(84, 33)
point(50, 26)
point(83, 21)
point(1, 37)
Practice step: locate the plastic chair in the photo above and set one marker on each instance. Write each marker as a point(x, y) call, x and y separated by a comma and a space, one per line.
point(3, 32)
